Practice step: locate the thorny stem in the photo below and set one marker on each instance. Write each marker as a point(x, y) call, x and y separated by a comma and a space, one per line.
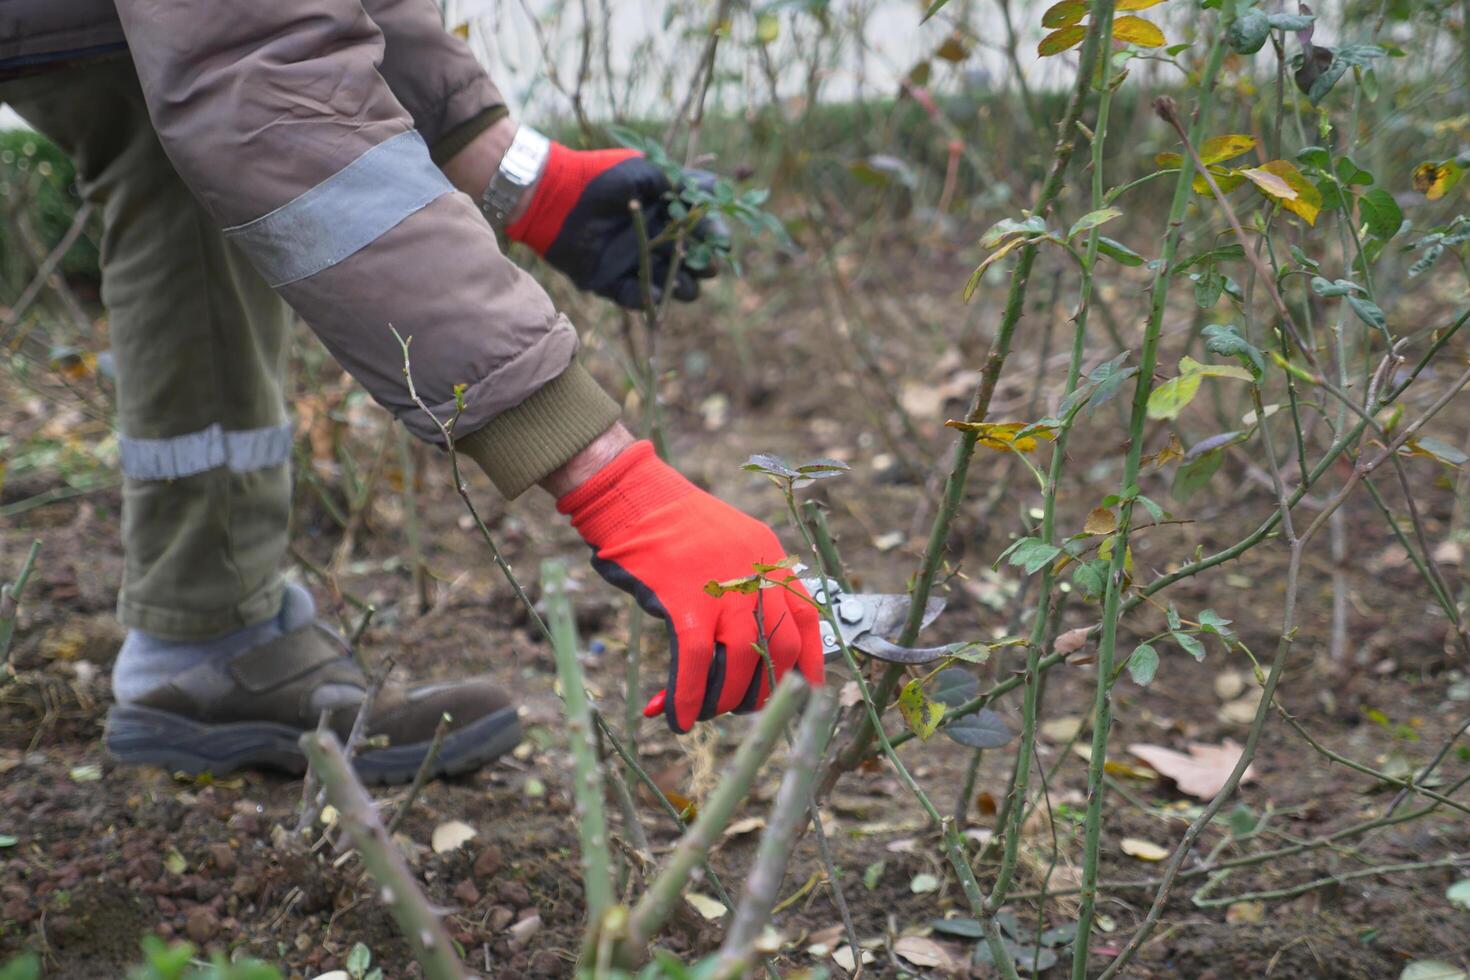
point(788, 815)
point(1291, 891)
point(658, 795)
point(1112, 601)
point(856, 748)
point(416, 918)
point(654, 908)
point(1102, 15)
point(10, 601)
point(586, 771)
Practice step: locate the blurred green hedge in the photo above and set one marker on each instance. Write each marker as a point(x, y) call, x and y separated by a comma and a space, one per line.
point(36, 177)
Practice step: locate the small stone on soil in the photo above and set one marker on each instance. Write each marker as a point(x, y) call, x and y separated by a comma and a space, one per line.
point(202, 924)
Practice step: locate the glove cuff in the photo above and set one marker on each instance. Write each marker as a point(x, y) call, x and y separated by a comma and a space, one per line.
point(567, 174)
point(633, 484)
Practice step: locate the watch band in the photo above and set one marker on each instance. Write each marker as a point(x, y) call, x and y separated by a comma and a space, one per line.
point(519, 168)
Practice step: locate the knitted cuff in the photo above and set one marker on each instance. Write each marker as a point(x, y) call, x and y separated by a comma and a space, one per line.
point(522, 445)
point(464, 134)
point(623, 491)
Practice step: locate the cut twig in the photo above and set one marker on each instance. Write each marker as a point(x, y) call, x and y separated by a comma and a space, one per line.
point(788, 816)
point(398, 890)
point(10, 601)
point(586, 770)
point(421, 778)
point(663, 893)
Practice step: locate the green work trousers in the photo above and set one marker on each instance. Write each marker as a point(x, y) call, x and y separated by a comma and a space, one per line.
point(199, 342)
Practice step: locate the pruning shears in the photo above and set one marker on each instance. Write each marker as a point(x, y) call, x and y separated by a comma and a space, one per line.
point(869, 622)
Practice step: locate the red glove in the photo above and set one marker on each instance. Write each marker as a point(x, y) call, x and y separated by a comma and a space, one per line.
point(578, 220)
point(662, 539)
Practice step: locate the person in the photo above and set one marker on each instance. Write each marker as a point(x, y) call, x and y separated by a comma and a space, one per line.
point(343, 156)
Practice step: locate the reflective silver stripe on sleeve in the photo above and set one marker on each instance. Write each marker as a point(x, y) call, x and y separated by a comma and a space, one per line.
point(207, 449)
point(347, 211)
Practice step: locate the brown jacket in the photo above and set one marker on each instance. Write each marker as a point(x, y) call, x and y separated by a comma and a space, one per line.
point(304, 127)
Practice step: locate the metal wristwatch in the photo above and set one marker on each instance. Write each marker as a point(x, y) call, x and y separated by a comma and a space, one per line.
point(519, 168)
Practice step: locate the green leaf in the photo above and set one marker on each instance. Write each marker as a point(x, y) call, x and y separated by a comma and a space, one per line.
point(1093, 219)
point(1091, 577)
point(933, 9)
point(962, 928)
point(1315, 157)
point(1190, 643)
point(1005, 227)
point(1212, 622)
point(1143, 664)
point(7, 840)
point(1459, 894)
point(1030, 554)
point(1227, 341)
point(358, 961)
point(1172, 615)
point(921, 714)
point(1350, 174)
point(1063, 14)
point(1118, 252)
point(983, 729)
point(1368, 311)
point(1173, 396)
point(953, 686)
point(1242, 820)
point(1381, 213)
point(873, 874)
point(1058, 41)
point(1194, 474)
point(1223, 253)
point(26, 966)
point(1154, 510)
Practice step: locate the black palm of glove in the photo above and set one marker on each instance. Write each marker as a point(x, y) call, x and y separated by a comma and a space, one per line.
point(580, 222)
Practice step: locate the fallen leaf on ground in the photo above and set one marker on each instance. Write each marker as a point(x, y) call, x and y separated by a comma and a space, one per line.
point(1062, 729)
point(450, 835)
point(1431, 970)
point(924, 882)
point(710, 908)
point(1459, 893)
point(1242, 711)
point(1144, 850)
point(1202, 773)
point(1229, 684)
point(843, 957)
point(1245, 913)
point(922, 952)
point(745, 826)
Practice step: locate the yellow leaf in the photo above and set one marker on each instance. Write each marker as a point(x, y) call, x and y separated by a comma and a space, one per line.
point(1100, 521)
point(1169, 161)
point(461, 31)
point(1271, 184)
point(1136, 5)
point(1002, 436)
point(1136, 30)
point(1170, 398)
point(767, 27)
point(1225, 179)
point(1308, 201)
point(921, 714)
point(952, 49)
point(1434, 180)
point(1220, 148)
point(991, 259)
point(1063, 14)
point(1174, 450)
point(1143, 850)
point(1058, 41)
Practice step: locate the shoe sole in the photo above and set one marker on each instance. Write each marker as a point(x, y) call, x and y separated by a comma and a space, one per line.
point(138, 736)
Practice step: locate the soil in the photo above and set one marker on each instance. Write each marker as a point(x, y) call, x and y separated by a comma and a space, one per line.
point(107, 855)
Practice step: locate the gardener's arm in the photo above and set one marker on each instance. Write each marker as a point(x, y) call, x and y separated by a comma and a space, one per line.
point(575, 214)
point(277, 118)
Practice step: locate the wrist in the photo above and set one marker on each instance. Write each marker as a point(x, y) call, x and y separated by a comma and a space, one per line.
point(473, 168)
point(623, 492)
point(587, 463)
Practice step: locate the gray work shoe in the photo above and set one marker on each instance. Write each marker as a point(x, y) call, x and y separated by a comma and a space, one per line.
point(248, 708)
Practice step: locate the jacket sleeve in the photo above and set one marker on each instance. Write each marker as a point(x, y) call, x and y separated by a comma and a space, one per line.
point(280, 122)
point(435, 75)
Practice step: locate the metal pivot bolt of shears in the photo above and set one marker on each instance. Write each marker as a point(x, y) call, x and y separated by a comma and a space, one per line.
point(870, 622)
